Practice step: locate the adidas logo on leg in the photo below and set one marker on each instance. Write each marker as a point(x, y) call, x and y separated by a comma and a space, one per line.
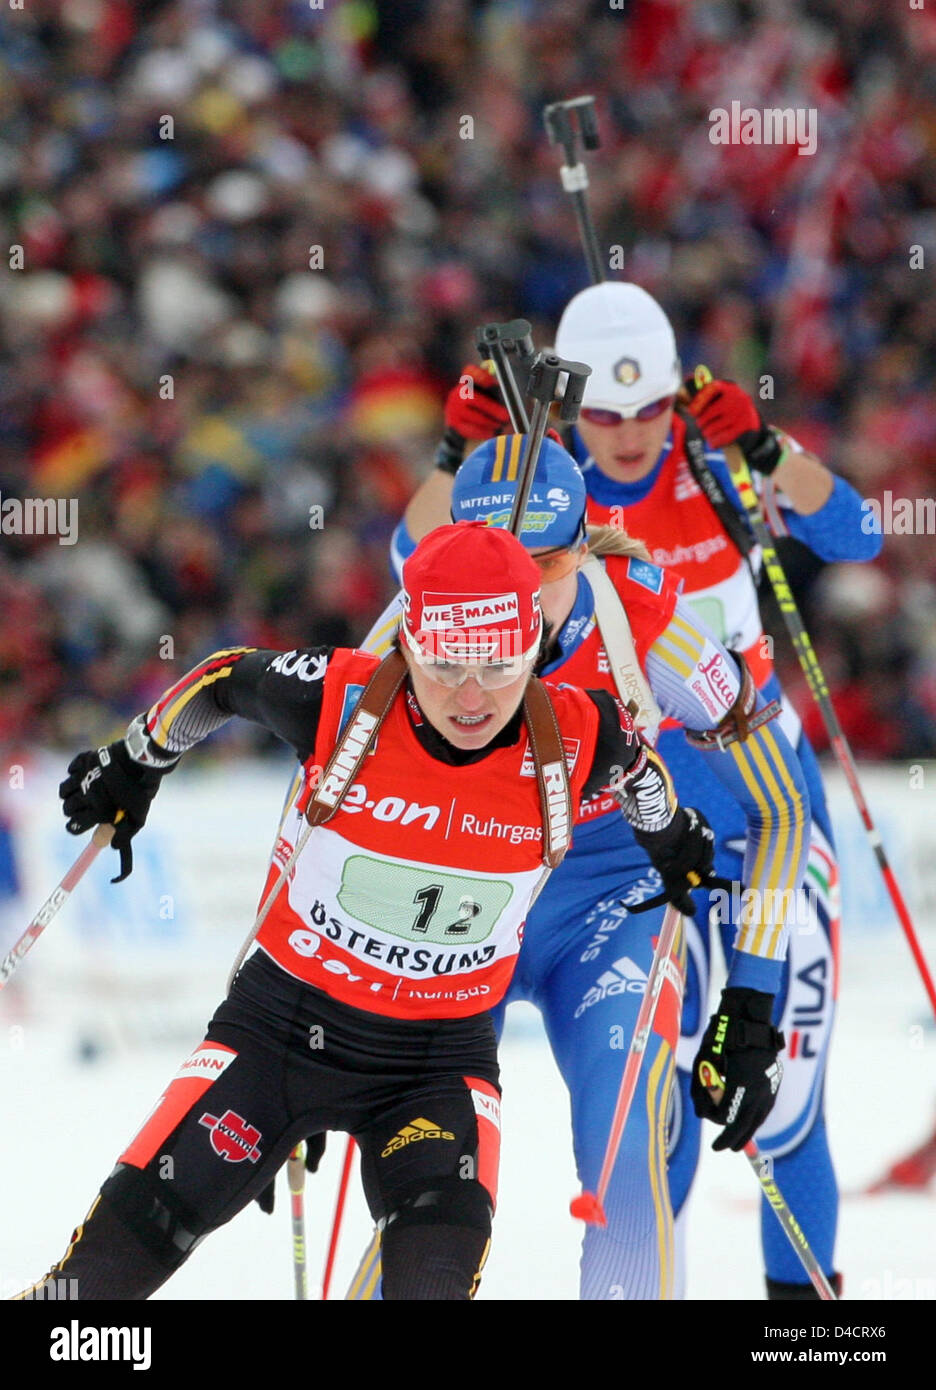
point(623, 977)
point(413, 1133)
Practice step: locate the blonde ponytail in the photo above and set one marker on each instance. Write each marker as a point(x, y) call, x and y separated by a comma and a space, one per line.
point(612, 540)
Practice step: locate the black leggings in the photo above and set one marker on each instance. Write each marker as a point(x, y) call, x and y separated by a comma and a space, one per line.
point(282, 1061)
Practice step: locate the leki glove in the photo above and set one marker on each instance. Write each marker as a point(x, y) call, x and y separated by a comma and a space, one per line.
point(737, 1071)
point(102, 782)
point(682, 854)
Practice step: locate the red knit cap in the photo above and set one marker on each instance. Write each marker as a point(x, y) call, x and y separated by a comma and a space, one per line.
point(471, 593)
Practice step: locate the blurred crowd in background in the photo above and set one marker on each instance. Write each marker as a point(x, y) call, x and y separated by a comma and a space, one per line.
point(257, 237)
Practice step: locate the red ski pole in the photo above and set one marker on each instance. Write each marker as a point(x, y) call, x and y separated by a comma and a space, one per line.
point(589, 1206)
point(339, 1213)
point(101, 838)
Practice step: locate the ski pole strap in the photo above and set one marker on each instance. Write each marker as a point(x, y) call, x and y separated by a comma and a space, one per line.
point(355, 743)
point(552, 775)
point(740, 721)
point(728, 885)
point(718, 500)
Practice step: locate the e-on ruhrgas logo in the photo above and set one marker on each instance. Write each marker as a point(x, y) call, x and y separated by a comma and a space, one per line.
point(40, 516)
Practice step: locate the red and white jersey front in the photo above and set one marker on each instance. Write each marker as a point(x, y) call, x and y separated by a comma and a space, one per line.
point(387, 908)
point(682, 530)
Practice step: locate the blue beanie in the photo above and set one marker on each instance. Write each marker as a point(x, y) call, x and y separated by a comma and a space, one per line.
point(486, 484)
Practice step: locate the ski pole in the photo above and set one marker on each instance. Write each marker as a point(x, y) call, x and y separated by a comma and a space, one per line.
point(295, 1174)
point(560, 118)
point(763, 1169)
point(498, 343)
point(589, 1206)
point(545, 372)
point(564, 121)
point(269, 900)
point(806, 655)
point(339, 1213)
point(101, 838)
point(791, 1228)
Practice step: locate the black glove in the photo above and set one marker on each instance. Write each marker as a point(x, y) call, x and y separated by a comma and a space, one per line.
point(683, 855)
point(738, 1057)
point(314, 1149)
point(101, 783)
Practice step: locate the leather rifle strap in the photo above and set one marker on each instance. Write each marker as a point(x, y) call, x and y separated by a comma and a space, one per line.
point(552, 776)
point(358, 737)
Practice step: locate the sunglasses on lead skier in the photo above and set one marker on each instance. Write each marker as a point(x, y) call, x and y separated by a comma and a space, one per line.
point(495, 658)
point(652, 411)
point(489, 675)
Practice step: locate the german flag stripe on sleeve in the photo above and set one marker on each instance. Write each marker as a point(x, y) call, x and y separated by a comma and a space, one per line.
point(165, 714)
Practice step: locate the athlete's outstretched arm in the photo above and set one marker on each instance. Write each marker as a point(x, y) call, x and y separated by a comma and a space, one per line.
point(802, 497)
point(280, 690)
point(116, 784)
point(836, 526)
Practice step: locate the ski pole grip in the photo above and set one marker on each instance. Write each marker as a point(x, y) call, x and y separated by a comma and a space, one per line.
point(544, 382)
point(588, 123)
point(499, 342)
point(577, 375)
point(544, 377)
point(103, 834)
point(691, 387)
point(559, 129)
point(516, 336)
point(711, 1080)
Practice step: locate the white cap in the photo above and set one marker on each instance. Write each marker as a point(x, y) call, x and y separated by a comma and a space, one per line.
point(621, 332)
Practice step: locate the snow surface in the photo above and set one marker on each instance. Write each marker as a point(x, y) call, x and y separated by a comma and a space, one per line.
point(63, 1119)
